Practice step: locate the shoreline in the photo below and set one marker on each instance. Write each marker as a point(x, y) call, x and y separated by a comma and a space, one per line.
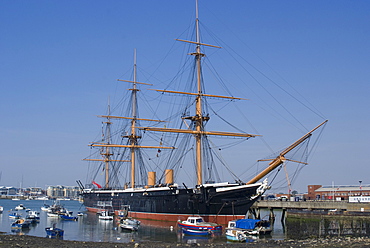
point(9, 240)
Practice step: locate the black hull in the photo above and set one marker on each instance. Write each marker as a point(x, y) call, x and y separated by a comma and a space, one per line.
point(231, 201)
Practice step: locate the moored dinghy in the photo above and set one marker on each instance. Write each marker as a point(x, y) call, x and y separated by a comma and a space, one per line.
point(128, 227)
point(20, 207)
point(239, 230)
point(54, 232)
point(196, 232)
point(68, 216)
point(198, 223)
point(45, 207)
point(129, 224)
point(20, 224)
point(104, 215)
point(33, 216)
point(15, 216)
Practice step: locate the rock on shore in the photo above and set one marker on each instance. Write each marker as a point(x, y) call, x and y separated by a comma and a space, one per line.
point(37, 242)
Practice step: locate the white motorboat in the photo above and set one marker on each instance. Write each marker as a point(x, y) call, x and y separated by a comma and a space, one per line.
point(241, 229)
point(129, 224)
point(20, 207)
point(104, 215)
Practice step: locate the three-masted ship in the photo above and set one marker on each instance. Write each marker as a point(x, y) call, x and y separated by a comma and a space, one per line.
point(214, 201)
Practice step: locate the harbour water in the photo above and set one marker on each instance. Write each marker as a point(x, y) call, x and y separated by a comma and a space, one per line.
point(90, 228)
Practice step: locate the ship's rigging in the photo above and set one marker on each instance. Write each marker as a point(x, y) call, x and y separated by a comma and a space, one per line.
point(192, 126)
point(168, 197)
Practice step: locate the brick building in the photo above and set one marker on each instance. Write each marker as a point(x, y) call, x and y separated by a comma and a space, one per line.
point(319, 192)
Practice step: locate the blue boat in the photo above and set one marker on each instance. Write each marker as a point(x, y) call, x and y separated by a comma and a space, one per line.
point(241, 229)
point(15, 215)
point(53, 232)
point(196, 232)
point(68, 217)
point(20, 224)
point(198, 223)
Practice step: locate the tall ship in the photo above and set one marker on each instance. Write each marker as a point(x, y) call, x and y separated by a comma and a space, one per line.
point(153, 192)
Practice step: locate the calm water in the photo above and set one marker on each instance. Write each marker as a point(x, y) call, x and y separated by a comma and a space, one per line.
point(90, 228)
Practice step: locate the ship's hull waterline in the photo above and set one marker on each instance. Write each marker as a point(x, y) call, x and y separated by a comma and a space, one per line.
point(213, 203)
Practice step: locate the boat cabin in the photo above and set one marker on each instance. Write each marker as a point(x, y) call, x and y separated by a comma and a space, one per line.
point(194, 220)
point(231, 224)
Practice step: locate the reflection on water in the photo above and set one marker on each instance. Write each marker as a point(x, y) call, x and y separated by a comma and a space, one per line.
point(90, 228)
point(191, 239)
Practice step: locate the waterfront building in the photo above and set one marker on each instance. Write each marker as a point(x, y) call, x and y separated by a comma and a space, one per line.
point(34, 192)
point(335, 192)
point(6, 191)
point(71, 192)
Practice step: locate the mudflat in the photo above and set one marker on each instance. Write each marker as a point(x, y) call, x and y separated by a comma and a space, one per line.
point(37, 242)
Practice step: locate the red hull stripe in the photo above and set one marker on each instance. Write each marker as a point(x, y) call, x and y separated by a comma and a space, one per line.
point(199, 227)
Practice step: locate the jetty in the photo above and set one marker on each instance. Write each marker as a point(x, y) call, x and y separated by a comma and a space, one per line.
point(330, 206)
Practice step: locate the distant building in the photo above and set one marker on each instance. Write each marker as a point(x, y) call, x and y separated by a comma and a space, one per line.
point(34, 191)
point(8, 190)
point(59, 191)
point(319, 192)
point(311, 195)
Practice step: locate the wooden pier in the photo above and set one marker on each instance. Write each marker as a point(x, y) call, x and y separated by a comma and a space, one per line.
point(306, 205)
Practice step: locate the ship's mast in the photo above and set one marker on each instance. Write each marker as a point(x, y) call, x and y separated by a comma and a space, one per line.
point(107, 152)
point(133, 137)
point(198, 118)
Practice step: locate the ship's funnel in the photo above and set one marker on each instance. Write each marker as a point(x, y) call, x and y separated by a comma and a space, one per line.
point(169, 176)
point(151, 178)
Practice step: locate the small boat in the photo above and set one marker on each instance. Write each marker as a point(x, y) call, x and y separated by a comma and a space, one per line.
point(53, 215)
point(196, 232)
point(81, 214)
point(131, 221)
point(42, 198)
point(20, 224)
point(45, 207)
point(1, 209)
point(57, 208)
point(239, 230)
point(20, 207)
point(129, 224)
point(68, 216)
point(53, 232)
point(15, 215)
point(234, 234)
point(63, 199)
point(128, 227)
point(33, 216)
point(198, 223)
point(104, 215)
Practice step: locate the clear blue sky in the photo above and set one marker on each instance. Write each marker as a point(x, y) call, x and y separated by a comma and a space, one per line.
point(59, 61)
